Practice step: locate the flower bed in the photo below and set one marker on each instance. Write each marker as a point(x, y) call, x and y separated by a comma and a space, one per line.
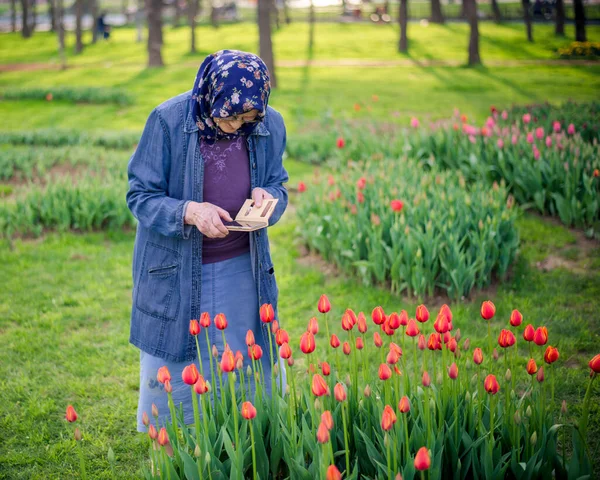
point(389, 222)
point(76, 95)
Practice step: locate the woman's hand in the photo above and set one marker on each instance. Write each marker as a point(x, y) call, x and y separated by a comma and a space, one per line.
point(207, 218)
point(258, 195)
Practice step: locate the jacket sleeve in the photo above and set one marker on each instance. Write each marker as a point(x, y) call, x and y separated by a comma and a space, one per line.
point(148, 172)
point(276, 174)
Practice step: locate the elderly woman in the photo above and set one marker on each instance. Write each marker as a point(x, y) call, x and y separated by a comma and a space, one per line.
point(202, 153)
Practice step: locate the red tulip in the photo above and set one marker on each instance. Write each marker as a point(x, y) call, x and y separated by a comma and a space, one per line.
point(531, 366)
point(168, 387)
point(434, 343)
point(392, 357)
point(71, 414)
point(540, 375)
point(267, 314)
point(200, 387)
point(220, 321)
point(384, 372)
point(447, 312)
point(353, 317)
point(362, 323)
point(227, 360)
point(319, 386)
point(205, 320)
point(595, 364)
point(327, 419)
point(377, 340)
point(389, 331)
point(250, 338)
point(307, 342)
point(516, 318)
point(347, 322)
point(322, 433)
point(239, 360)
point(396, 348)
point(491, 384)
point(396, 205)
point(340, 142)
point(190, 374)
point(256, 352)
point(346, 348)
point(453, 371)
point(488, 310)
point(163, 437)
point(551, 355)
point(281, 337)
point(478, 356)
point(361, 183)
point(324, 304)
point(394, 321)
point(452, 345)
point(388, 418)
point(326, 369)
point(359, 343)
point(339, 391)
point(301, 187)
point(421, 342)
point(506, 338)
point(529, 333)
point(152, 433)
point(540, 337)
point(422, 459)
point(422, 313)
point(163, 374)
point(403, 318)
point(441, 324)
point(378, 316)
point(333, 473)
point(194, 327)
point(335, 341)
point(248, 411)
point(404, 405)
point(426, 380)
point(274, 327)
point(313, 326)
point(412, 330)
point(285, 351)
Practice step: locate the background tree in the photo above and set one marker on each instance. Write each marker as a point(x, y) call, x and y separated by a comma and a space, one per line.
point(436, 12)
point(192, 12)
point(559, 29)
point(471, 12)
point(93, 5)
point(155, 38)
point(496, 11)
point(403, 21)
point(311, 28)
point(275, 14)
point(60, 32)
point(286, 12)
point(139, 21)
point(214, 14)
point(264, 36)
point(13, 15)
point(25, 30)
point(178, 12)
point(78, 32)
point(33, 16)
point(52, 13)
point(527, 16)
point(580, 35)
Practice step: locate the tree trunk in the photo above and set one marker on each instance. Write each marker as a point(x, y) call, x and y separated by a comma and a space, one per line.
point(154, 13)
point(178, 12)
point(286, 12)
point(527, 15)
point(471, 11)
point(13, 16)
point(192, 12)
point(60, 31)
point(311, 28)
point(33, 16)
point(25, 32)
point(52, 13)
point(463, 9)
point(78, 32)
point(403, 21)
point(559, 29)
point(264, 35)
point(579, 21)
point(436, 12)
point(213, 15)
point(496, 11)
point(94, 11)
point(139, 20)
point(275, 14)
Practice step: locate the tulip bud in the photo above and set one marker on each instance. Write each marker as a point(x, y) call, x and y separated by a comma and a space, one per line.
point(367, 391)
point(215, 352)
point(168, 387)
point(488, 310)
point(457, 335)
point(322, 433)
point(453, 371)
point(163, 437)
point(398, 477)
point(563, 408)
point(384, 372)
point(508, 375)
point(468, 397)
point(332, 472)
point(466, 344)
point(197, 451)
point(516, 318)
point(513, 395)
point(324, 304)
point(432, 405)
point(290, 361)
point(495, 355)
point(594, 364)
point(154, 410)
point(77, 434)
point(386, 440)
point(220, 321)
point(145, 419)
point(318, 404)
point(346, 348)
point(335, 341)
point(422, 459)
point(426, 380)
point(194, 327)
point(152, 433)
point(207, 458)
point(517, 418)
point(528, 411)
point(531, 367)
point(348, 380)
point(287, 389)
point(540, 375)
point(533, 438)
point(339, 392)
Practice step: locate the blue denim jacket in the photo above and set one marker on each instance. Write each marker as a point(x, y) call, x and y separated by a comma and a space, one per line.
point(165, 173)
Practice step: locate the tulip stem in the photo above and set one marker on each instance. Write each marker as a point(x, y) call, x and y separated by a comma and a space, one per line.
point(586, 409)
point(490, 336)
point(81, 460)
point(406, 437)
point(254, 475)
point(389, 462)
point(234, 407)
point(271, 354)
point(199, 354)
point(492, 411)
point(173, 417)
point(212, 373)
point(346, 439)
point(196, 414)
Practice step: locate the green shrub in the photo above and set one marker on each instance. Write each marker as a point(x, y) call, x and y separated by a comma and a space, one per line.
point(70, 94)
point(53, 137)
point(580, 50)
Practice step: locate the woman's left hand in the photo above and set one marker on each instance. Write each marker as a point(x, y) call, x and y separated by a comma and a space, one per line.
point(258, 195)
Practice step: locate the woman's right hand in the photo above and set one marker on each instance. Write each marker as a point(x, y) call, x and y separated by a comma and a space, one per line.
point(207, 218)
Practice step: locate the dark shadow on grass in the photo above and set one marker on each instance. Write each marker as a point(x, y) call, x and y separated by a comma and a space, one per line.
point(531, 95)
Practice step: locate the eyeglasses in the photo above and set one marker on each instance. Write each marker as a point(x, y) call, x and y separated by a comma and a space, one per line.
point(235, 119)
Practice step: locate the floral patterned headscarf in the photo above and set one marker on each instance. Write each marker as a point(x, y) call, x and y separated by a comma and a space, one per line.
point(229, 82)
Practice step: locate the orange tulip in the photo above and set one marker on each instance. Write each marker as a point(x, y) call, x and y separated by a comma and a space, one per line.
point(324, 305)
point(250, 340)
point(71, 414)
point(152, 433)
point(285, 351)
point(434, 342)
point(528, 333)
point(362, 323)
point(239, 360)
point(154, 410)
point(274, 327)
point(327, 419)
point(422, 313)
point(353, 317)
point(205, 320)
point(248, 411)
point(281, 337)
point(163, 374)
point(441, 324)
point(595, 364)
point(551, 355)
point(220, 321)
point(333, 473)
point(319, 386)
point(267, 315)
point(190, 374)
point(426, 380)
point(540, 337)
point(346, 348)
point(452, 345)
point(313, 326)
point(394, 320)
point(491, 384)
point(255, 352)
point(403, 318)
point(447, 312)
point(339, 391)
point(194, 327)
point(392, 357)
point(322, 433)
point(326, 369)
point(516, 318)
point(360, 343)
point(506, 338)
point(145, 419)
point(307, 343)
point(412, 330)
point(200, 387)
point(531, 366)
point(388, 418)
point(488, 310)
point(378, 316)
point(404, 405)
point(478, 356)
point(384, 372)
point(163, 437)
point(453, 371)
point(347, 322)
point(377, 339)
point(227, 360)
point(422, 459)
point(335, 341)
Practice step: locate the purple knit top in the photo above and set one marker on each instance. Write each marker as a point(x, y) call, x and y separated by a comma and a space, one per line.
point(227, 185)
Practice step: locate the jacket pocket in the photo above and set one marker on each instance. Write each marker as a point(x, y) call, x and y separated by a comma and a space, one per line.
point(158, 284)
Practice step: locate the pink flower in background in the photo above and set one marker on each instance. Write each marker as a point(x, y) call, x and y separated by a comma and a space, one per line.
point(514, 139)
point(456, 112)
point(556, 126)
point(414, 122)
point(504, 114)
point(500, 143)
point(548, 141)
point(472, 139)
point(571, 129)
point(539, 133)
point(530, 137)
point(559, 145)
point(490, 122)
point(526, 118)
point(536, 153)
point(340, 142)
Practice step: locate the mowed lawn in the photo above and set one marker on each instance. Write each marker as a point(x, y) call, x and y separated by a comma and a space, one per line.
point(64, 306)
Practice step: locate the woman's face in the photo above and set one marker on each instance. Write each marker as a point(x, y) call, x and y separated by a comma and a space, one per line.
point(232, 124)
